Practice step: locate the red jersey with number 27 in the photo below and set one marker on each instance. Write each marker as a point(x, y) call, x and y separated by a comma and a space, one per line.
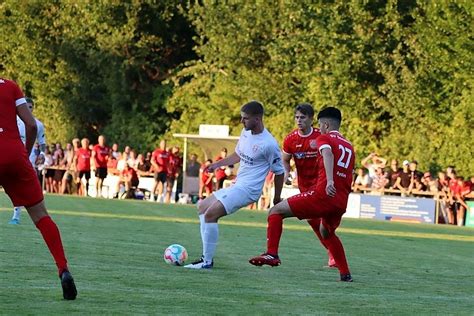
point(344, 157)
point(304, 150)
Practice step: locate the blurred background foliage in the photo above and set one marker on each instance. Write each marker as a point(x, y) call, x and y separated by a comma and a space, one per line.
point(137, 71)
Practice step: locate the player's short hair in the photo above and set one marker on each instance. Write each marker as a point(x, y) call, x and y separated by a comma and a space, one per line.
point(253, 108)
point(306, 109)
point(330, 112)
point(30, 100)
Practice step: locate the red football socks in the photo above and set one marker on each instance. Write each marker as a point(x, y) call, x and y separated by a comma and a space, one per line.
point(336, 248)
point(274, 231)
point(52, 237)
point(315, 223)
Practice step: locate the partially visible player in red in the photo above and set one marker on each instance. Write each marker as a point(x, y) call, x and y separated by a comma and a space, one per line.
point(174, 166)
point(205, 180)
point(220, 172)
point(83, 166)
point(326, 200)
point(100, 153)
point(300, 145)
point(159, 160)
point(19, 179)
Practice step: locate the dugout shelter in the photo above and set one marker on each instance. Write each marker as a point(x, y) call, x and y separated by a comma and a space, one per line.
point(210, 140)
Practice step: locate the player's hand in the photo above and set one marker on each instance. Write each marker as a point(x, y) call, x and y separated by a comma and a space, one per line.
point(330, 189)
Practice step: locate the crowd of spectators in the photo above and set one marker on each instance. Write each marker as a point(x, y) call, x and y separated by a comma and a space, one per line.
point(451, 189)
point(68, 170)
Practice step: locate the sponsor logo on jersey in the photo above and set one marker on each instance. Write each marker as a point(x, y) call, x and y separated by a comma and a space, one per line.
point(305, 154)
point(300, 155)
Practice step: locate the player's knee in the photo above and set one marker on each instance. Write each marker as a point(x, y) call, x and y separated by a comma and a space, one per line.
point(325, 233)
point(210, 217)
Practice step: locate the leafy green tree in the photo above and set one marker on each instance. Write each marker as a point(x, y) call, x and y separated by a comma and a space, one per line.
point(387, 64)
point(96, 67)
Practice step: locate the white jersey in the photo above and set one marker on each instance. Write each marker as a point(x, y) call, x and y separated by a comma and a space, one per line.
point(258, 154)
point(40, 135)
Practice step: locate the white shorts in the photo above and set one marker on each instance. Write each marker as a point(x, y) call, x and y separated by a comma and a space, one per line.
point(233, 198)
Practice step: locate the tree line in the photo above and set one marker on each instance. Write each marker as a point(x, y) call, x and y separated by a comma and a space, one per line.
point(136, 71)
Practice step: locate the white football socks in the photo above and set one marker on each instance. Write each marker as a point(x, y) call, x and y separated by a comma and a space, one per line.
point(211, 236)
point(16, 213)
point(203, 222)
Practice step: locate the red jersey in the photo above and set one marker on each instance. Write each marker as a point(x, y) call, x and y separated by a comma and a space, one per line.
point(220, 172)
point(453, 183)
point(83, 159)
point(161, 158)
point(344, 157)
point(174, 164)
point(130, 172)
point(101, 156)
point(10, 97)
point(204, 173)
point(461, 189)
point(303, 149)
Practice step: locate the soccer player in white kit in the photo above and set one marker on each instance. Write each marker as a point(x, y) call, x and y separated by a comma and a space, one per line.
point(258, 153)
point(40, 139)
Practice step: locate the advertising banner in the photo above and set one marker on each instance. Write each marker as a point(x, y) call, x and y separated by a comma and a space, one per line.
point(397, 208)
point(470, 214)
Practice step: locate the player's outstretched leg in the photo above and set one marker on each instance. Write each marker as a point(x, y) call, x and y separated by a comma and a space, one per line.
point(210, 210)
point(16, 216)
point(274, 230)
point(52, 238)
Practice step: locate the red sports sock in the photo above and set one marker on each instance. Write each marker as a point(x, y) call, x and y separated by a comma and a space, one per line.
point(336, 248)
point(315, 223)
point(274, 230)
point(52, 237)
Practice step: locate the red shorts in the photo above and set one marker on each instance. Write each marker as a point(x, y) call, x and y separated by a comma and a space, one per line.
point(311, 205)
point(20, 181)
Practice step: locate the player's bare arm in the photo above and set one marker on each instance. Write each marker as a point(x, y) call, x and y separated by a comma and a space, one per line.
point(278, 180)
point(328, 159)
point(30, 125)
point(229, 160)
point(286, 158)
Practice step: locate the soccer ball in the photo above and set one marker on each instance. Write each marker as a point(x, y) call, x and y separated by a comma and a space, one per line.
point(175, 255)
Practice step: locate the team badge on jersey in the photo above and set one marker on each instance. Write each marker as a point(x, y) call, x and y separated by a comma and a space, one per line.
point(313, 144)
point(255, 148)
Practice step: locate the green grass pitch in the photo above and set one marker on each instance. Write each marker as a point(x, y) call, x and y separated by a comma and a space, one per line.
point(115, 251)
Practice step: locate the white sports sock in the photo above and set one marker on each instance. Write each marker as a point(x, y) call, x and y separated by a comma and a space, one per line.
point(211, 236)
point(203, 222)
point(16, 213)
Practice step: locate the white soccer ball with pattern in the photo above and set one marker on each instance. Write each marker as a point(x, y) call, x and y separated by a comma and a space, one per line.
point(175, 255)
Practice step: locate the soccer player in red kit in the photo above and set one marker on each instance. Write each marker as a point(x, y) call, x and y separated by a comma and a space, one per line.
point(159, 160)
point(100, 153)
point(205, 180)
point(19, 179)
point(300, 145)
point(83, 166)
point(174, 165)
point(326, 200)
